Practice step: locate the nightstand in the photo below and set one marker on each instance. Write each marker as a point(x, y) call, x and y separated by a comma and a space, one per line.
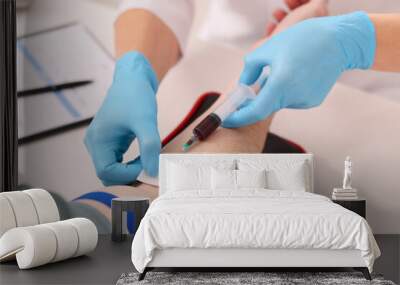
point(137, 205)
point(358, 206)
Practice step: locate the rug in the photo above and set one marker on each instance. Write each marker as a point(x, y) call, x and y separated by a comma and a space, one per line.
point(244, 278)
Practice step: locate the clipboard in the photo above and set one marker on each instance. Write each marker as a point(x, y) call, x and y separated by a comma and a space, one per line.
point(54, 56)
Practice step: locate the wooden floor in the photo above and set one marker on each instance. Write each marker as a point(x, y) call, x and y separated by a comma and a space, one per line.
point(110, 260)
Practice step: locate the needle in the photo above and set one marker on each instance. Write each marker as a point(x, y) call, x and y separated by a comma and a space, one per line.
point(189, 143)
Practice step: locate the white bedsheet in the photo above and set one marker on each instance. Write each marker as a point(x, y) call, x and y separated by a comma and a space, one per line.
point(250, 218)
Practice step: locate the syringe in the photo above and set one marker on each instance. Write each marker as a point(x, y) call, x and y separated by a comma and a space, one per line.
point(232, 102)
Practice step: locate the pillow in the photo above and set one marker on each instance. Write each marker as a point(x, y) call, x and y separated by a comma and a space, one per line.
point(293, 179)
point(251, 178)
point(281, 174)
point(223, 179)
point(187, 175)
point(182, 177)
point(228, 179)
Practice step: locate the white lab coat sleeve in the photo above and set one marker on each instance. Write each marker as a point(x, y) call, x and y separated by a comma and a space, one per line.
point(177, 15)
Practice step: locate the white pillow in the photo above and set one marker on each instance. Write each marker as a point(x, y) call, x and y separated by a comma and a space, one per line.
point(226, 179)
point(251, 178)
point(293, 179)
point(185, 175)
point(223, 179)
point(182, 177)
point(281, 174)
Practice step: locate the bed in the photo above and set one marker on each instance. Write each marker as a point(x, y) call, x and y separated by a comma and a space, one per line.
point(247, 211)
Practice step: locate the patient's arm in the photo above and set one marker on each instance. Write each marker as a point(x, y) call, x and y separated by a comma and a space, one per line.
point(387, 29)
point(249, 139)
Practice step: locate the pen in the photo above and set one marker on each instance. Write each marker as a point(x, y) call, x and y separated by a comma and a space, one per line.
point(53, 88)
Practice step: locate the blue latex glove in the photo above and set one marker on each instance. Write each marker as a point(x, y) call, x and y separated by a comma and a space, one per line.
point(129, 111)
point(305, 61)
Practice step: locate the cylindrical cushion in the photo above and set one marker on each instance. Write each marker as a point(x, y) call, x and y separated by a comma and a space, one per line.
point(37, 245)
point(34, 246)
point(23, 207)
point(87, 235)
point(67, 239)
point(7, 218)
point(45, 205)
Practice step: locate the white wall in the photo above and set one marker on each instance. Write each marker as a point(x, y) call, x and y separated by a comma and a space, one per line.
point(360, 125)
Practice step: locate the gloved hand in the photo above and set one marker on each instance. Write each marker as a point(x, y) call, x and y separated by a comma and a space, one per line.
point(128, 111)
point(305, 61)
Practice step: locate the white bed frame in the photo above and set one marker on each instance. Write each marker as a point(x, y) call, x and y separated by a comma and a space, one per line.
point(251, 258)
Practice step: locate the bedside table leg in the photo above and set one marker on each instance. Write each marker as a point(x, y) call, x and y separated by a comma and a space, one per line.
point(142, 275)
point(364, 271)
point(116, 223)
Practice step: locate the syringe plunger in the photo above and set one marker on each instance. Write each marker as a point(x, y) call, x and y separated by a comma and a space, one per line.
point(233, 101)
